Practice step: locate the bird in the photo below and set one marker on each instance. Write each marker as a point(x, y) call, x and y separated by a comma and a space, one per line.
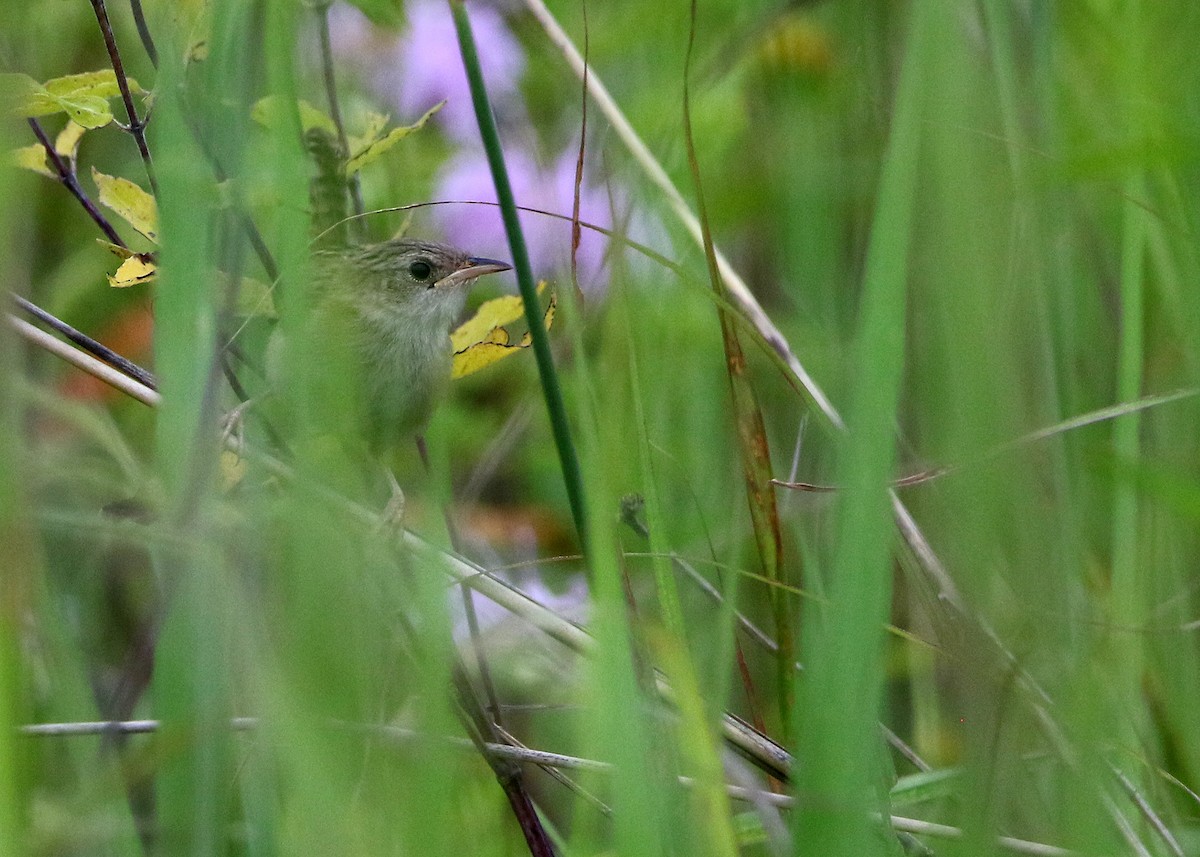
point(386, 310)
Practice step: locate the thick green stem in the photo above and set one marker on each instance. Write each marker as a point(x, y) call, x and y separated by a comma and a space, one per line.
point(520, 259)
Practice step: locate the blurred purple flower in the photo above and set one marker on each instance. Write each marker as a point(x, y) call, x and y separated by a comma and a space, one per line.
point(423, 66)
point(467, 177)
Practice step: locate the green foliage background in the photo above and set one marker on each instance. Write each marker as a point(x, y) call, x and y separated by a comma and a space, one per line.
point(972, 221)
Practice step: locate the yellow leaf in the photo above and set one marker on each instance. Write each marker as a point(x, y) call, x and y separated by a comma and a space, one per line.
point(547, 319)
point(137, 270)
point(32, 158)
point(377, 145)
point(67, 141)
point(479, 356)
point(233, 469)
point(116, 249)
point(482, 340)
point(489, 316)
point(130, 202)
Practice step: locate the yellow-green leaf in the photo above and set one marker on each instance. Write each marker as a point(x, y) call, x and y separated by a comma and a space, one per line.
point(23, 96)
point(32, 158)
point(67, 141)
point(137, 270)
point(376, 146)
point(101, 84)
point(374, 125)
point(233, 470)
point(269, 112)
point(255, 299)
point(83, 97)
point(90, 111)
point(116, 249)
point(128, 200)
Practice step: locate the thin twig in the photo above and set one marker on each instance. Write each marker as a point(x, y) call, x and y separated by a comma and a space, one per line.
point(68, 179)
point(86, 362)
point(558, 776)
point(257, 243)
point(137, 127)
point(543, 759)
point(508, 773)
point(102, 352)
point(1147, 811)
point(335, 109)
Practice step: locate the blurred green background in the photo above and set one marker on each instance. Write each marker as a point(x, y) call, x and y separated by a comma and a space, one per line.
point(972, 221)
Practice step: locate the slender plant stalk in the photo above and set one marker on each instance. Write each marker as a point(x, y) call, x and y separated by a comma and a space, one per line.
point(66, 177)
point(567, 455)
point(85, 362)
point(753, 447)
point(541, 758)
point(353, 186)
point(137, 127)
point(91, 346)
point(842, 690)
point(139, 19)
point(576, 230)
point(738, 290)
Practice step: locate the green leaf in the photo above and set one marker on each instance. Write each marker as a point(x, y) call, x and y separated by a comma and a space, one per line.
point(101, 84)
point(89, 111)
point(924, 786)
point(16, 91)
point(270, 112)
point(128, 200)
point(368, 150)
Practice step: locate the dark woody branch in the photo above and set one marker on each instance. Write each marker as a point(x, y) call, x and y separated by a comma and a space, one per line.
point(137, 126)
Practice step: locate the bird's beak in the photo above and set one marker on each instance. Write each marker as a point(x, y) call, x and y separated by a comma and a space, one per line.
point(474, 267)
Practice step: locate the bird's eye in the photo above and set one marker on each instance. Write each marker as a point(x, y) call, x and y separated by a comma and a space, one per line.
point(420, 271)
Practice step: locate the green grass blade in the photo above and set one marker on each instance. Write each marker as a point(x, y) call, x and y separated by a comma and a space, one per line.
point(843, 644)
